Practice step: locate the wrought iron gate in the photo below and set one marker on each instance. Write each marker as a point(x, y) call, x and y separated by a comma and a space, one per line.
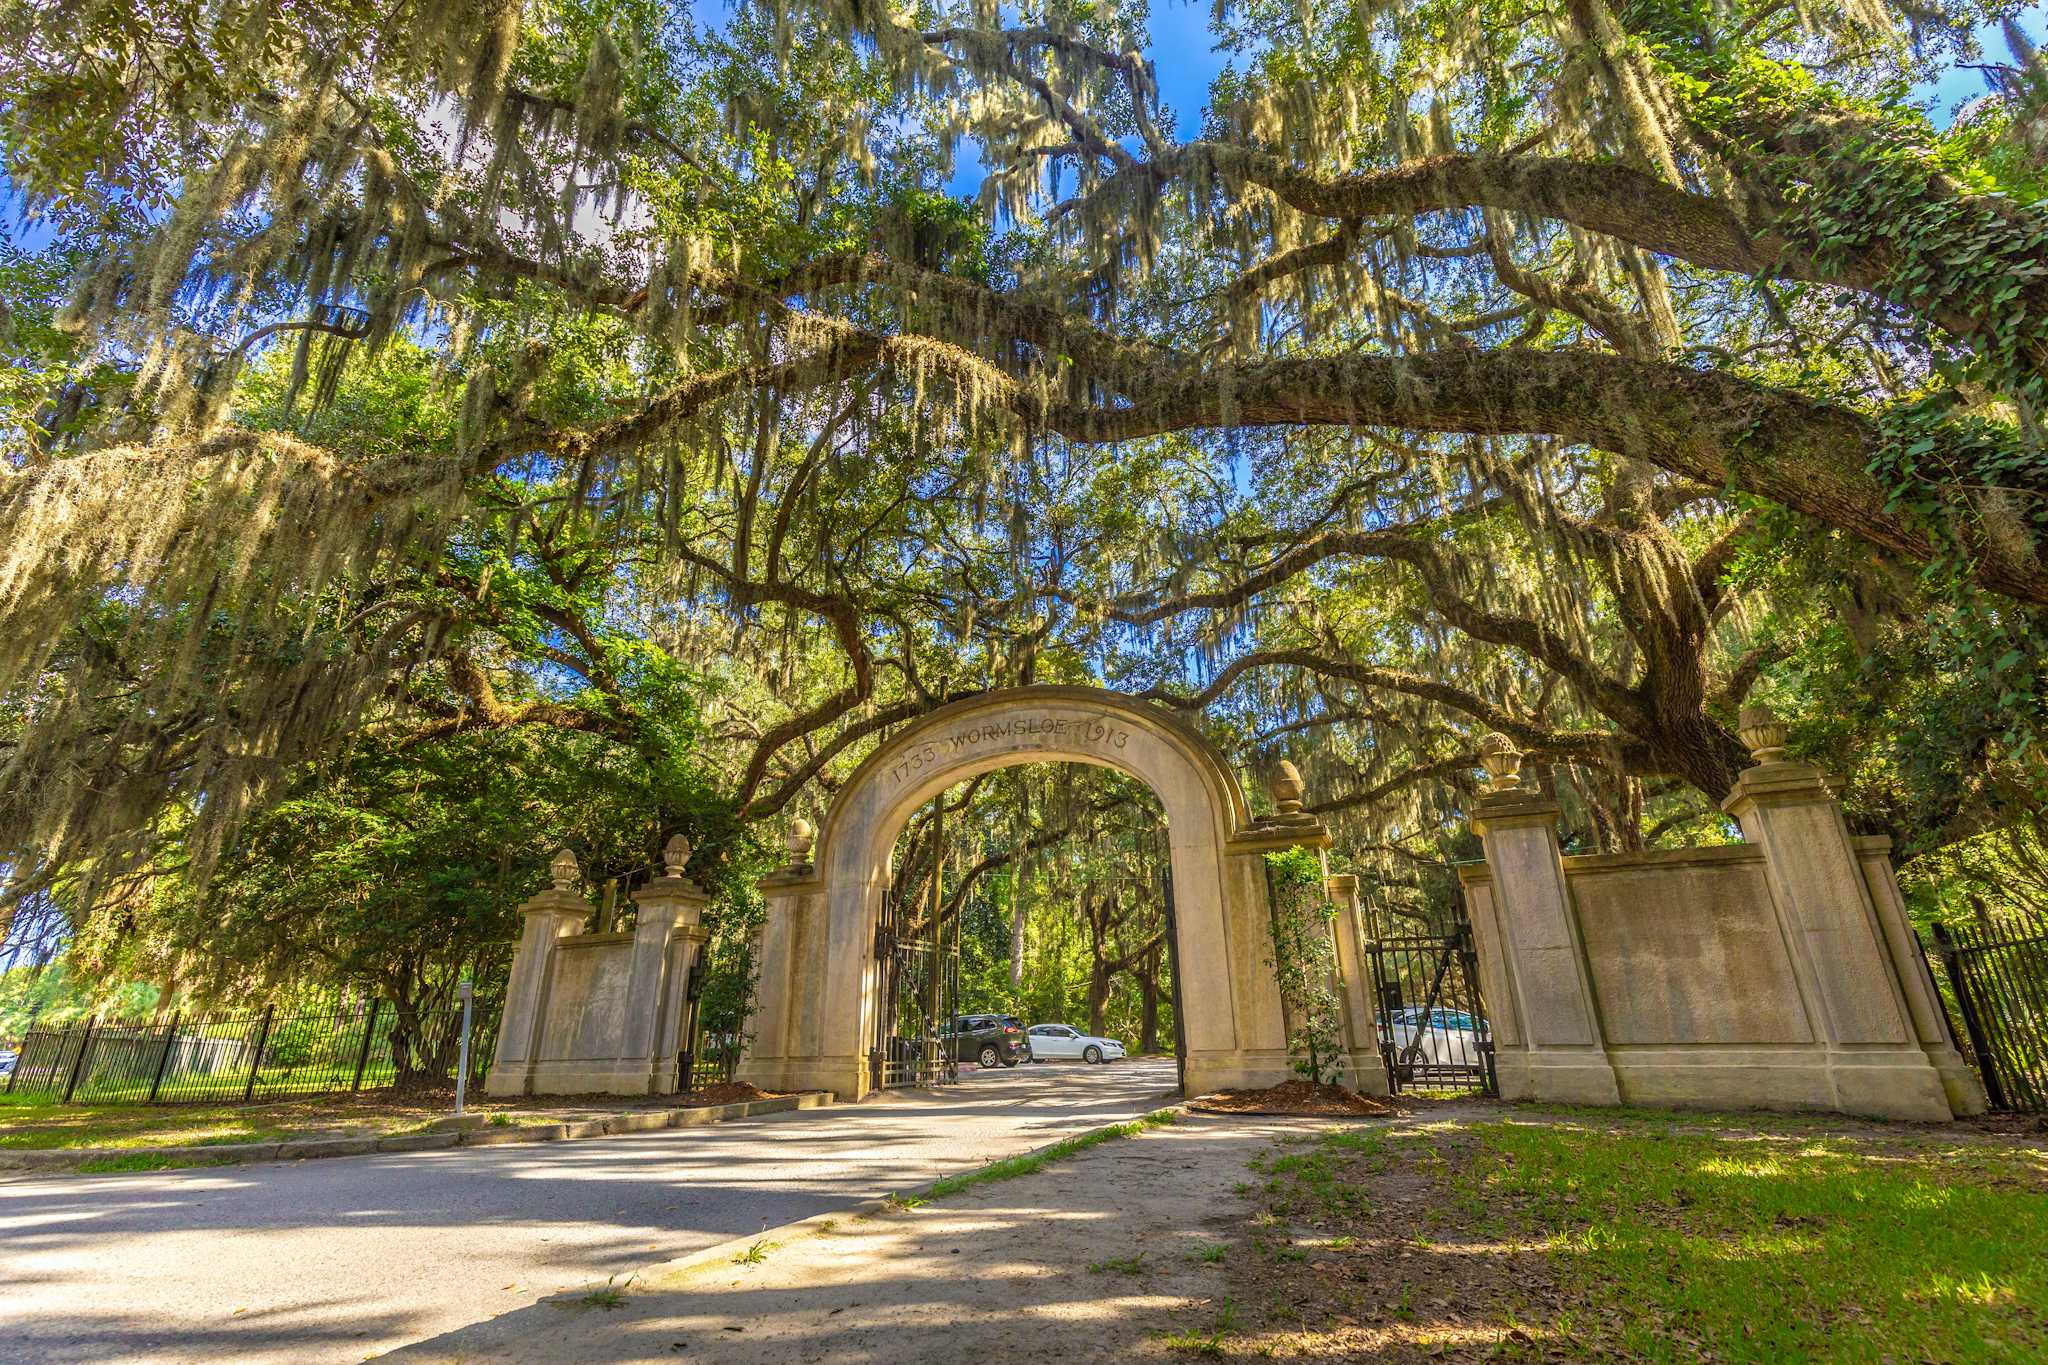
point(1432, 1024)
point(1997, 977)
point(917, 991)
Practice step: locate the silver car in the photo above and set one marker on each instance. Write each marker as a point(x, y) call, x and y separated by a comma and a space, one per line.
point(1060, 1042)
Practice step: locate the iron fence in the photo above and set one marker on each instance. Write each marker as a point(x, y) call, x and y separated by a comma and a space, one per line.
point(713, 1061)
point(250, 1055)
point(1994, 978)
point(1433, 1029)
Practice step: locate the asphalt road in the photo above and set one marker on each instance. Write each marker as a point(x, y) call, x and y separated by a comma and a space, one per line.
point(342, 1258)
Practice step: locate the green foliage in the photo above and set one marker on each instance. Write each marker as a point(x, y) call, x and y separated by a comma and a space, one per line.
point(688, 456)
point(1304, 961)
point(52, 998)
point(1929, 702)
point(1075, 850)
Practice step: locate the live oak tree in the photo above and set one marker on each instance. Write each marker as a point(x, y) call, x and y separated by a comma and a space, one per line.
point(1539, 335)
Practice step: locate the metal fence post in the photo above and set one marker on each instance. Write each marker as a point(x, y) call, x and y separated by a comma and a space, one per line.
point(462, 1062)
point(1987, 1061)
point(256, 1062)
point(369, 1032)
point(78, 1062)
point(164, 1058)
point(693, 1024)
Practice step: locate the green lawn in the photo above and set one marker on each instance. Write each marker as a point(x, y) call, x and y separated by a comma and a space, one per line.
point(1808, 1248)
point(1658, 1238)
point(39, 1122)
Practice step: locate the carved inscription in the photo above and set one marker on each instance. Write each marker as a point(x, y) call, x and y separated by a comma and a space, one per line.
point(1099, 734)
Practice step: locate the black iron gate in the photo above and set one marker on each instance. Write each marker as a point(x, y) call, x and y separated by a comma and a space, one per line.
point(1997, 979)
point(917, 995)
point(1432, 1024)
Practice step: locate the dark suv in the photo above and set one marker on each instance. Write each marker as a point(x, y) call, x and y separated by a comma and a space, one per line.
point(987, 1039)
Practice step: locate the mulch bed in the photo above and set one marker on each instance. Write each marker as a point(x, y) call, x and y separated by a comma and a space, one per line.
point(1298, 1098)
point(725, 1092)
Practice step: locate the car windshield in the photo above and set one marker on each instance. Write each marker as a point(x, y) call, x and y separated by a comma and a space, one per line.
point(1437, 1019)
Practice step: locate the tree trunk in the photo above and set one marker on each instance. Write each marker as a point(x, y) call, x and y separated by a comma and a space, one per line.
point(1016, 939)
point(1099, 977)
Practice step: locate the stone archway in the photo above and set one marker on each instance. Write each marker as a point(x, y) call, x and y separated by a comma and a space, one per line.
point(818, 971)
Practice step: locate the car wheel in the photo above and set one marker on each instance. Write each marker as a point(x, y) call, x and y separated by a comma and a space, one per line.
point(1093, 1056)
point(989, 1055)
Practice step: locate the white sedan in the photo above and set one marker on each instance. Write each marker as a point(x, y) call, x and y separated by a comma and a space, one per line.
point(1057, 1042)
point(1444, 1040)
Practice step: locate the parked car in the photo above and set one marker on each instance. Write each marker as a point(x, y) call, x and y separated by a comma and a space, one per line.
point(7, 1061)
point(989, 1039)
point(1433, 1038)
point(1061, 1042)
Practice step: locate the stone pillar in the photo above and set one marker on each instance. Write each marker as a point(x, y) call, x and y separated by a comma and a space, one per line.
point(1875, 1058)
point(1245, 1047)
point(785, 1028)
point(1366, 1070)
point(545, 918)
point(1529, 943)
point(667, 937)
point(1923, 1002)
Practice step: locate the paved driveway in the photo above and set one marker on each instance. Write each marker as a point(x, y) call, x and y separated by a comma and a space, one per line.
point(338, 1259)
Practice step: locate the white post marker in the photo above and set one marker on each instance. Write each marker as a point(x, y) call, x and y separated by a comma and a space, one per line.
point(462, 988)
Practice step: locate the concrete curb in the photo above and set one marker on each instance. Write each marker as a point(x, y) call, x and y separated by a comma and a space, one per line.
point(473, 1132)
point(724, 1252)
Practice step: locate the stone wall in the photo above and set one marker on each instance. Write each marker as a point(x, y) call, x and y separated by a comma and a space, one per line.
point(599, 1013)
point(1777, 973)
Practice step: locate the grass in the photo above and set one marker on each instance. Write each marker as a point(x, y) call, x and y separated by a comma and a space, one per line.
point(1030, 1163)
point(139, 1161)
point(1781, 1250)
point(1195, 1343)
point(40, 1123)
point(1210, 1343)
point(1691, 1237)
point(609, 1295)
point(280, 1082)
point(1125, 1265)
point(754, 1254)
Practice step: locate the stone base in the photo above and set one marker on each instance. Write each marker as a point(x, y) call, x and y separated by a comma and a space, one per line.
point(1235, 1071)
point(583, 1077)
point(1965, 1092)
point(1365, 1072)
point(504, 1082)
point(1890, 1084)
point(845, 1077)
point(1887, 1083)
point(1556, 1076)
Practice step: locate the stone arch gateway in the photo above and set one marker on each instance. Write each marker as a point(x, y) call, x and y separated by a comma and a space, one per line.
point(816, 994)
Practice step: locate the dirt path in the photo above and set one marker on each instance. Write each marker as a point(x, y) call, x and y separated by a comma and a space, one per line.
point(1099, 1257)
